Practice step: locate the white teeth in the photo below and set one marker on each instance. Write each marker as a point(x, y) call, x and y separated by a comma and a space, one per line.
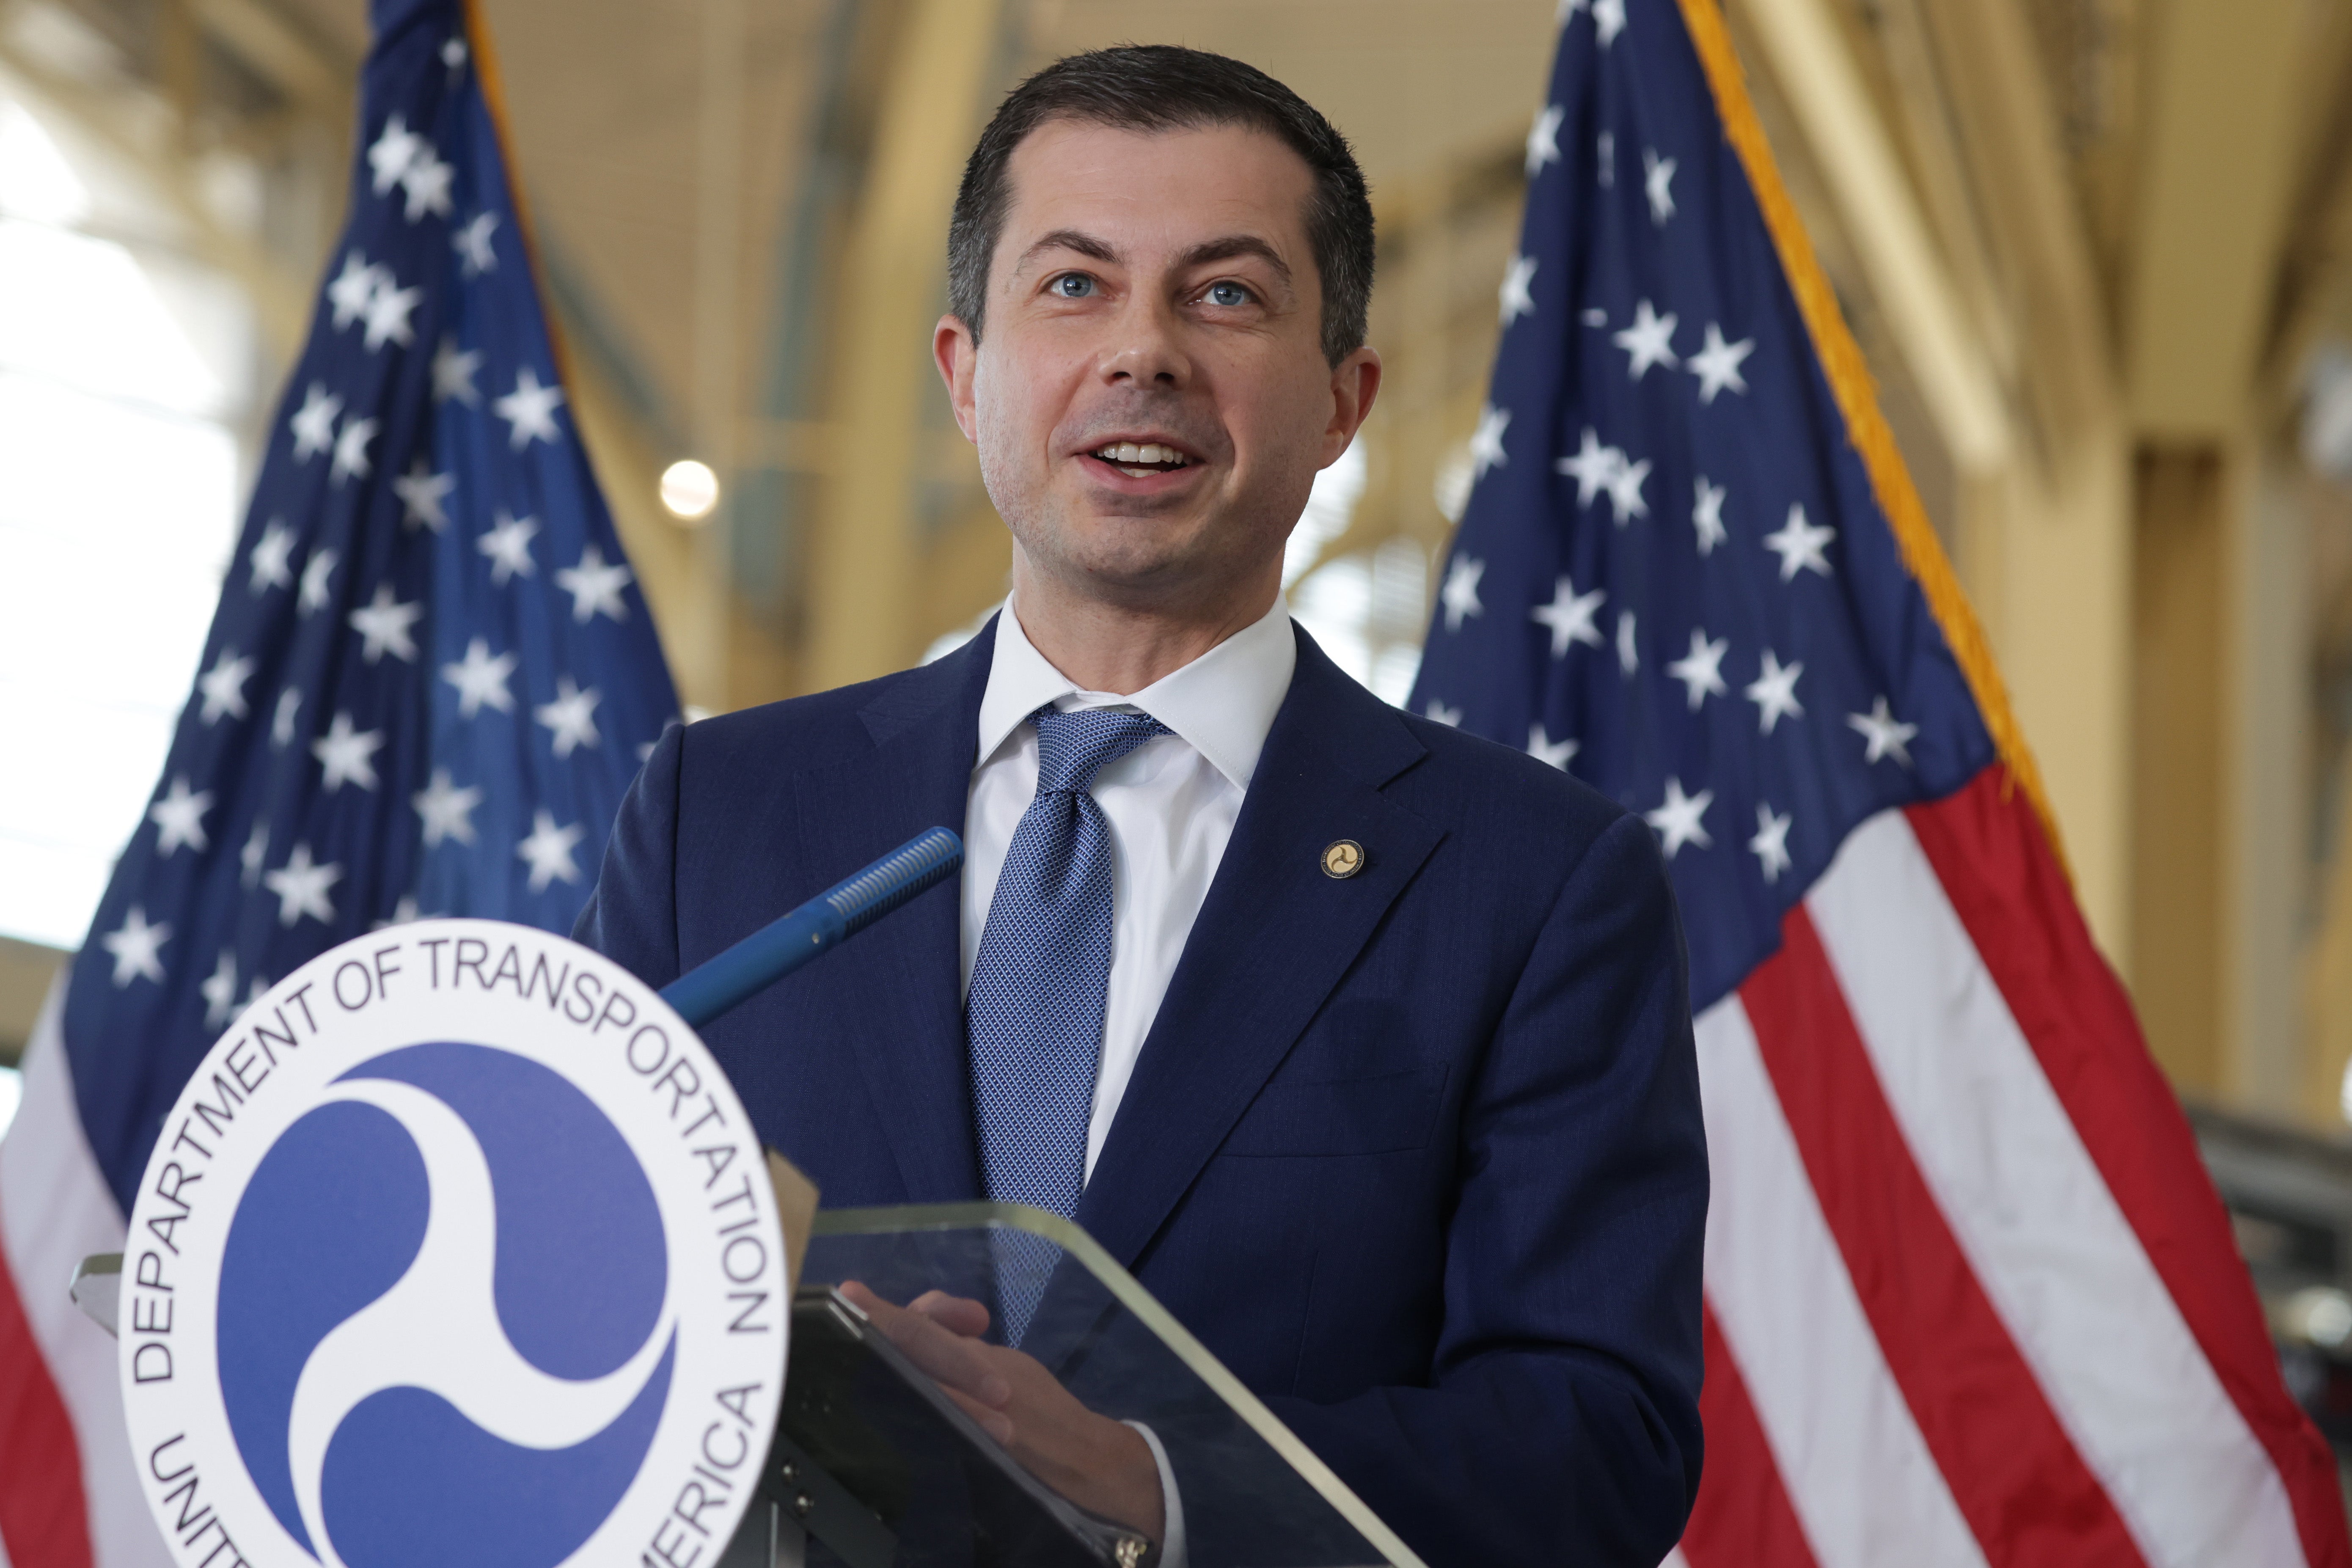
point(1139, 473)
point(1127, 452)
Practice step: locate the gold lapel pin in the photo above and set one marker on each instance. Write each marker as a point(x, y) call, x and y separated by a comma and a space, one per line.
point(1342, 858)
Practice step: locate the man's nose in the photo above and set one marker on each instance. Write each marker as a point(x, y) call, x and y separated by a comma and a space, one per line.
point(1144, 351)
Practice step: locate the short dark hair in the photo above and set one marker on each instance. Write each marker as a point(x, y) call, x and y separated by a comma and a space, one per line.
point(1159, 87)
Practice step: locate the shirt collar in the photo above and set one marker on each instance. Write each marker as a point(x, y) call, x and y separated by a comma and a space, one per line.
point(1222, 704)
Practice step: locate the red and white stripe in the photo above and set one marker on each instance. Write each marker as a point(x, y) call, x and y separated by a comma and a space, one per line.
point(68, 1496)
point(1970, 1298)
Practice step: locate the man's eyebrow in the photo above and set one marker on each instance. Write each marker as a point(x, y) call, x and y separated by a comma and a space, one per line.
point(1084, 244)
point(1234, 244)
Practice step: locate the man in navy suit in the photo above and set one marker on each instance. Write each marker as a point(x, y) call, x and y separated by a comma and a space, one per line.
point(1365, 1045)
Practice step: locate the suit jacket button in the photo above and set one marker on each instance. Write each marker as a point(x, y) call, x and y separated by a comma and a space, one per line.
point(1342, 858)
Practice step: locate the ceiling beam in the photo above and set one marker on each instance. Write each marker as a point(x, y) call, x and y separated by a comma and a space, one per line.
point(260, 35)
point(2215, 171)
point(864, 549)
point(2315, 254)
point(2009, 128)
point(1822, 86)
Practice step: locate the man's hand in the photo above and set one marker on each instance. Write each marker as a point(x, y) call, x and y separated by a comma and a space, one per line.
point(1103, 1465)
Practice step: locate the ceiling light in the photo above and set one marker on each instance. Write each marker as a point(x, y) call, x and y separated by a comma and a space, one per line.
point(689, 489)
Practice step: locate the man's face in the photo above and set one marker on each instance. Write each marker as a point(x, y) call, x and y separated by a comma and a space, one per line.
point(1152, 401)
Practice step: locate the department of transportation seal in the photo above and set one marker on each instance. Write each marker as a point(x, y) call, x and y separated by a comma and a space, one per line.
point(458, 1248)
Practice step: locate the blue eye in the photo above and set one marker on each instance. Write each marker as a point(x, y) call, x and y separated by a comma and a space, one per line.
point(1227, 294)
point(1074, 284)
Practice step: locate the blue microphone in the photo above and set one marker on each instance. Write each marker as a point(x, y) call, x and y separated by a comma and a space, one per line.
point(840, 912)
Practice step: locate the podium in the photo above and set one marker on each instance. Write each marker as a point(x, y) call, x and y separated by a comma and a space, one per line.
point(873, 1468)
point(459, 1273)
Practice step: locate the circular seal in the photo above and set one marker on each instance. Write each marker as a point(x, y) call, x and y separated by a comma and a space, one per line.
point(1342, 858)
point(458, 1248)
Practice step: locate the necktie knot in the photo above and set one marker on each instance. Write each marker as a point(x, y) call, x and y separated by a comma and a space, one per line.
point(1073, 747)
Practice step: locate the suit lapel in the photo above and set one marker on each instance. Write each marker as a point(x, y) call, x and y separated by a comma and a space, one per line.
point(1274, 936)
point(907, 970)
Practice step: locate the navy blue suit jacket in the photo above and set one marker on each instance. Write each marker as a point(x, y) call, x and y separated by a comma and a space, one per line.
point(1416, 1153)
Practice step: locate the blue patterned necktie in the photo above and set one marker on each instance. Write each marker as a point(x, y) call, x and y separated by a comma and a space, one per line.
point(1034, 1015)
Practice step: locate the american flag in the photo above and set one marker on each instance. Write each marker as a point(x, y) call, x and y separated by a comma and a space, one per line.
point(430, 679)
point(1970, 1298)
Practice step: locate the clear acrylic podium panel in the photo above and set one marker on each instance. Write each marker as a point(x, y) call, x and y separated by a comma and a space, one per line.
point(1252, 1495)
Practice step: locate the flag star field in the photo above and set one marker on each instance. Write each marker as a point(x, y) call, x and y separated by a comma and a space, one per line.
point(432, 673)
point(1673, 578)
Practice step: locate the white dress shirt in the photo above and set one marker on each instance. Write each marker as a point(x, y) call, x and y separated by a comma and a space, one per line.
point(1171, 803)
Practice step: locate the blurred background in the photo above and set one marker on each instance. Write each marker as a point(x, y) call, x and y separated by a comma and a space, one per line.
point(2099, 253)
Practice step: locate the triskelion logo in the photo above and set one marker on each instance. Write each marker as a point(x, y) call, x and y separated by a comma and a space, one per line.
point(458, 1248)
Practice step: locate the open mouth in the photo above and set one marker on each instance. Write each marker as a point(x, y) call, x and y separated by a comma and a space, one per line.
point(1140, 462)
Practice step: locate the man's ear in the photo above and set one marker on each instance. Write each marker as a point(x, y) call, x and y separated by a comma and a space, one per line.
point(957, 354)
point(1355, 382)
